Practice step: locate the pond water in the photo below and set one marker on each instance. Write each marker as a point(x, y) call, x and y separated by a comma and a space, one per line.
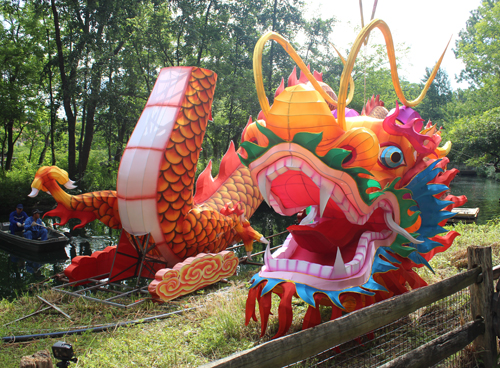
point(480, 192)
point(19, 271)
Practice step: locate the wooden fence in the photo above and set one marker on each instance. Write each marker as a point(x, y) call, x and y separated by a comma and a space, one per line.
point(480, 331)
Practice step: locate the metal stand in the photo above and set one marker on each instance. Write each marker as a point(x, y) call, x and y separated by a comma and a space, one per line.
point(104, 281)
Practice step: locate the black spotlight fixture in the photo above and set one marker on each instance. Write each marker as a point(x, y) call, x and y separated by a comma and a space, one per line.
point(63, 352)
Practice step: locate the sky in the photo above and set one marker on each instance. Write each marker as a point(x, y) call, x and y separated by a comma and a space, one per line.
point(423, 25)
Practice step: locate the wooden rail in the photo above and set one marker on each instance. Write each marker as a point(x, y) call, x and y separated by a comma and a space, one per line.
point(301, 345)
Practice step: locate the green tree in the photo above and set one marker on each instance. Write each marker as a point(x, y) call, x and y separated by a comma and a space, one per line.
point(476, 139)
point(479, 48)
point(20, 55)
point(439, 95)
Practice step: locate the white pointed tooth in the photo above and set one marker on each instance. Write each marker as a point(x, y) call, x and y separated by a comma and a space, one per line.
point(339, 266)
point(70, 184)
point(398, 229)
point(269, 261)
point(265, 188)
point(324, 195)
point(48, 193)
point(263, 240)
point(34, 193)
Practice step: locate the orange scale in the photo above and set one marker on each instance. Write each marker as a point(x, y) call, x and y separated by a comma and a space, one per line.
point(175, 137)
point(198, 140)
point(177, 186)
point(186, 131)
point(201, 237)
point(187, 180)
point(230, 187)
point(167, 237)
point(190, 114)
point(200, 111)
point(172, 214)
point(167, 226)
point(188, 164)
point(173, 157)
point(198, 228)
point(179, 169)
point(191, 145)
point(182, 149)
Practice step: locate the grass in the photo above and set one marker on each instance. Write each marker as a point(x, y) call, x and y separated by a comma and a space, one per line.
point(214, 329)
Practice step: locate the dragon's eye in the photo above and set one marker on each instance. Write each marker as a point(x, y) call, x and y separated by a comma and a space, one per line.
point(392, 157)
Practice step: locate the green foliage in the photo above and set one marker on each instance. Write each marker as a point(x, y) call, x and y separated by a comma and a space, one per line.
point(476, 139)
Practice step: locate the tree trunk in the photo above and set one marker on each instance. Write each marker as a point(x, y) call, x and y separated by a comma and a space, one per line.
point(203, 39)
point(95, 85)
point(9, 127)
point(66, 95)
point(44, 150)
point(52, 107)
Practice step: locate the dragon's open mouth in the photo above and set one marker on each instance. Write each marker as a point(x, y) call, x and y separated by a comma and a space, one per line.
point(336, 243)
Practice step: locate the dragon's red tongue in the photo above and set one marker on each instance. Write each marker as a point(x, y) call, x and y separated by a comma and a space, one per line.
point(327, 236)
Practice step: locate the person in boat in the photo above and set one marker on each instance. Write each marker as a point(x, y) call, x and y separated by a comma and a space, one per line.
point(17, 219)
point(34, 227)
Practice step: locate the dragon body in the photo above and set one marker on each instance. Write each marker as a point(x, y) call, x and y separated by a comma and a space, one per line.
point(375, 185)
point(155, 186)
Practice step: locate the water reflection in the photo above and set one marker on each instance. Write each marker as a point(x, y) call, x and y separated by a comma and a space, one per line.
point(480, 192)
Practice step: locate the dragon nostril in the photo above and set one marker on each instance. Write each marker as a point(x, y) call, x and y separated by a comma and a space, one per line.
point(348, 159)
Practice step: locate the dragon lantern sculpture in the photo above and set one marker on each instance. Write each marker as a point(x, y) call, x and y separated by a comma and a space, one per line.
point(375, 186)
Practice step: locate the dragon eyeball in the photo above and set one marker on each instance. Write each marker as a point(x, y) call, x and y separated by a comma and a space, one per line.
point(391, 157)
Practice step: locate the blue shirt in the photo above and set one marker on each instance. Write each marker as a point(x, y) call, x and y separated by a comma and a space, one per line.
point(14, 218)
point(29, 221)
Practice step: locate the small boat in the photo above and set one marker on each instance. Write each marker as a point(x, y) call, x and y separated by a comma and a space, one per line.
point(464, 215)
point(55, 241)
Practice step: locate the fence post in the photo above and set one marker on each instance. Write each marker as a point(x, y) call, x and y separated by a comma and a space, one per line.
point(481, 294)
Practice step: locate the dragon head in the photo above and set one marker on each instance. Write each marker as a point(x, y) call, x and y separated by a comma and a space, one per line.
point(373, 185)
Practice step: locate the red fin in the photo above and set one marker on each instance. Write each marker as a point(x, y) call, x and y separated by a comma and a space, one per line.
point(303, 78)
point(285, 312)
point(313, 315)
point(265, 311)
point(206, 185)
point(250, 305)
point(318, 76)
point(281, 88)
point(446, 240)
point(371, 104)
point(292, 78)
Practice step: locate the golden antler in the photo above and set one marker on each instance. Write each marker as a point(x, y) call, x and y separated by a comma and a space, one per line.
point(344, 79)
point(257, 70)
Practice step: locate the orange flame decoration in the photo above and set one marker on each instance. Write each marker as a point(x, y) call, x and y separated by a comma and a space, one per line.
point(193, 274)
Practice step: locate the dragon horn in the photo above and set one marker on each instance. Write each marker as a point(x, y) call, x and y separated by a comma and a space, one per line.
point(257, 70)
point(380, 24)
point(351, 81)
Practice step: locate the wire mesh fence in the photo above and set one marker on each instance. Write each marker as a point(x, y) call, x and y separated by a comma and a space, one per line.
point(402, 336)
